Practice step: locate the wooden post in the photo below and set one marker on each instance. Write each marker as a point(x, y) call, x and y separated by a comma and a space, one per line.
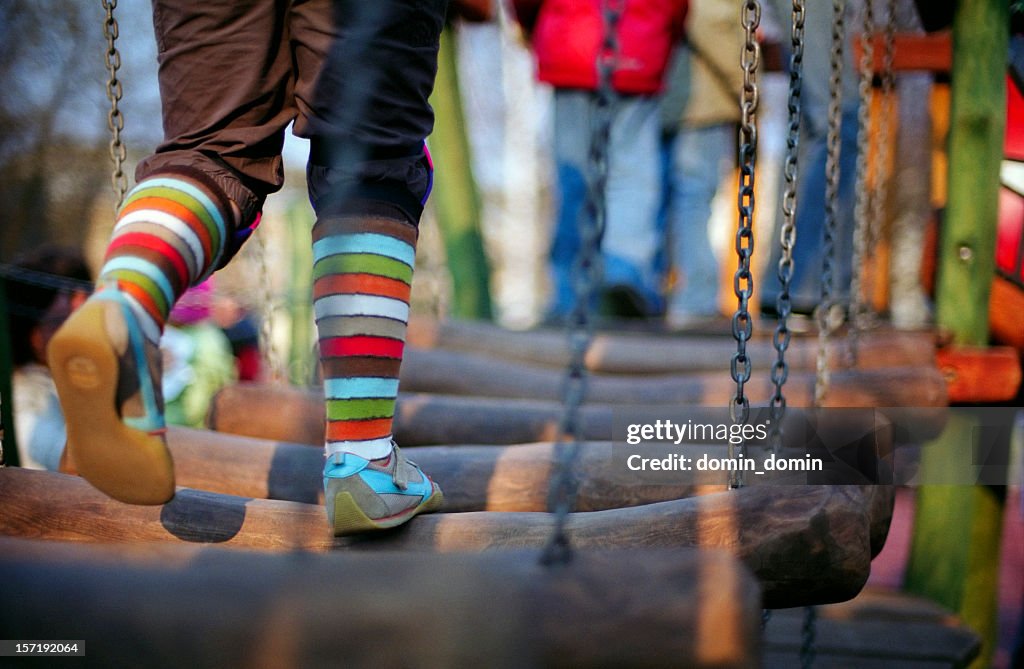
point(300, 293)
point(455, 194)
point(955, 552)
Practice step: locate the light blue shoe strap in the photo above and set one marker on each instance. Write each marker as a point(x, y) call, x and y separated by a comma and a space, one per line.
point(152, 419)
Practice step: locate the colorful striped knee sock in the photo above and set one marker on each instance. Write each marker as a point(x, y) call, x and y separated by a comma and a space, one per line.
point(170, 234)
point(362, 277)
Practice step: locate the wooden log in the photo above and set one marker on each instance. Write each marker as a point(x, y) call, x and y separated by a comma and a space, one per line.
point(640, 354)
point(978, 375)
point(474, 478)
point(805, 544)
point(134, 606)
point(459, 373)
point(296, 415)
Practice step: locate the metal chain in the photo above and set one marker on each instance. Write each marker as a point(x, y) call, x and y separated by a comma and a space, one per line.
point(808, 637)
point(587, 277)
point(115, 119)
point(862, 208)
point(787, 234)
point(32, 277)
point(743, 280)
point(825, 317)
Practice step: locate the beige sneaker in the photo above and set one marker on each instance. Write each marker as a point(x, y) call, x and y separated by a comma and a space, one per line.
point(108, 379)
point(363, 495)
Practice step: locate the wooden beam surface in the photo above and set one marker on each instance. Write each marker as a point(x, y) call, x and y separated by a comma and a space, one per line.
point(980, 375)
point(184, 606)
point(805, 544)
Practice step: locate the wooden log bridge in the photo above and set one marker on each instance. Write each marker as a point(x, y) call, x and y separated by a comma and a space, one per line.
point(805, 544)
point(474, 478)
point(202, 607)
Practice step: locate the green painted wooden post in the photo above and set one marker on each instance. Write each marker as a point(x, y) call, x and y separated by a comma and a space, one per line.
point(10, 444)
point(955, 549)
point(455, 195)
point(299, 220)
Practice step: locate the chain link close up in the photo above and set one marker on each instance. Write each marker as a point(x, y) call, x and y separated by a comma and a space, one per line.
point(586, 278)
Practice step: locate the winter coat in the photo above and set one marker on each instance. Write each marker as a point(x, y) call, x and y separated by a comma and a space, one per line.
point(566, 37)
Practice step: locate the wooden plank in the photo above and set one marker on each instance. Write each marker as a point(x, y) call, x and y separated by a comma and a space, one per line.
point(624, 353)
point(979, 375)
point(179, 606)
point(296, 415)
point(913, 52)
point(805, 544)
point(473, 478)
point(1006, 313)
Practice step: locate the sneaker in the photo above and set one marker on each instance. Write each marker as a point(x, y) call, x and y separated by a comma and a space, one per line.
point(107, 376)
point(363, 495)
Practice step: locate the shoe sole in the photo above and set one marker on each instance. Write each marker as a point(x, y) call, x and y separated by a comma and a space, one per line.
point(349, 518)
point(127, 464)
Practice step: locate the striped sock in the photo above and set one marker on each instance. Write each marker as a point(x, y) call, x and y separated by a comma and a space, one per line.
point(362, 275)
point(170, 234)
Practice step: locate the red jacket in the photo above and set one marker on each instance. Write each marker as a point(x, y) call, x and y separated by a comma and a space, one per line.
point(566, 36)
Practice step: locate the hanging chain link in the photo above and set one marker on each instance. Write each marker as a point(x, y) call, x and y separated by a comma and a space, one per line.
point(586, 279)
point(743, 280)
point(862, 210)
point(808, 637)
point(787, 234)
point(827, 315)
point(115, 119)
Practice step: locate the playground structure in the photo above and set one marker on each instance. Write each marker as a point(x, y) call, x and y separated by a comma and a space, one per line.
point(665, 571)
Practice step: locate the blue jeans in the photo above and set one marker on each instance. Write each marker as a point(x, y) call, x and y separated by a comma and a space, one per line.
point(697, 159)
point(808, 257)
point(808, 253)
point(631, 240)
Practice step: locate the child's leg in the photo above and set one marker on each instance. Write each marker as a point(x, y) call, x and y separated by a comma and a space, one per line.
point(170, 234)
point(362, 278)
point(225, 79)
point(362, 91)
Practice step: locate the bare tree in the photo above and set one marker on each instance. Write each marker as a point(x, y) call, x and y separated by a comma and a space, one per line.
point(54, 160)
